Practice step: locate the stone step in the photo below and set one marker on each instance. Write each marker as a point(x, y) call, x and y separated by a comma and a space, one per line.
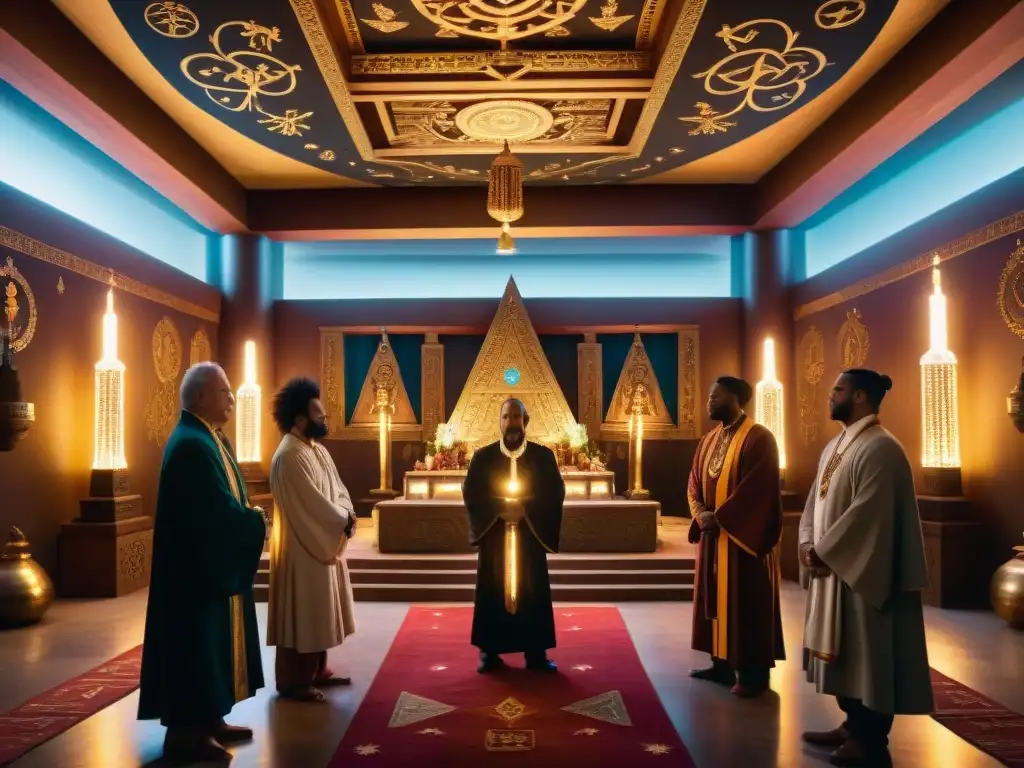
point(436, 577)
point(555, 563)
point(458, 593)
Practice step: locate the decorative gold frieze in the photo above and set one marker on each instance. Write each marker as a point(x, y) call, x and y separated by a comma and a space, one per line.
point(501, 22)
point(590, 386)
point(690, 396)
point(853, 341)
point(920, 263)
point(811, 362)
point(37, 250)
point(332, 379)
point(432, 385)
point(486, 62)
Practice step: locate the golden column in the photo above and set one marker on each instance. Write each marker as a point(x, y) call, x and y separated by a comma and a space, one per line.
point(638, 404)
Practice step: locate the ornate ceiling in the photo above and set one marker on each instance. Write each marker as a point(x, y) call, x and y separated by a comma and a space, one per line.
point(423, 92)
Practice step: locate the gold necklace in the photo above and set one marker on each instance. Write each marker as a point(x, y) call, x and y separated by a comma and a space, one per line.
point(513, 479)
point(830, 469)
point(721, 448)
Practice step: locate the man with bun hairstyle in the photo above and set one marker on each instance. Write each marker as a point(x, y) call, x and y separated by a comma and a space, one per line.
point(862, 558)
point(736, 505)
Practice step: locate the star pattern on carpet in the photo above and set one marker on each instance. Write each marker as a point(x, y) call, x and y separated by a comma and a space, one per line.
point(586, 732)
point(657, 749)
point(366, 749)
point(567, 614)
point(510, 710)
point(574, 628)
point(435, 626)
point(411, 708)
point(437, 613)
point(438, 668)
point(431, 732)
point(607, 707)
point(582, 668)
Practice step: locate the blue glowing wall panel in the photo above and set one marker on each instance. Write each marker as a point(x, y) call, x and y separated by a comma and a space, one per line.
point(578, 268)
point(988, 151)
point(45, 159)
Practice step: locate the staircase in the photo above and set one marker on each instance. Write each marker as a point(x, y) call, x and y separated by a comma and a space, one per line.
point(574, 578)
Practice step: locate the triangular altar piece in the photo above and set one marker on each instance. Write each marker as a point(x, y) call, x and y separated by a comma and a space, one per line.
point(411, 708)
point(511, 363)
point(606, 707)
point(384, 372)
point(638, 370)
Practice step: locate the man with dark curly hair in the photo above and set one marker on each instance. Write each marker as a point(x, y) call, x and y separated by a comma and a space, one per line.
point(310, 604)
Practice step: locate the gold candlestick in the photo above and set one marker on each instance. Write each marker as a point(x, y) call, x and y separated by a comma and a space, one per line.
point(636, 445)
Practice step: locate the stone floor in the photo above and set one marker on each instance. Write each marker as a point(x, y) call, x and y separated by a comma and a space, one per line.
point(974, 648)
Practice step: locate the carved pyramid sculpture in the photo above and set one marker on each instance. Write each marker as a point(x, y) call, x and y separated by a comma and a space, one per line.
point(385, 374)
point(511, 363)
point(638, 370)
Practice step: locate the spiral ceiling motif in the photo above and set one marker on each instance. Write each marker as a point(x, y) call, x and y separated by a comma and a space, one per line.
point(504, 120)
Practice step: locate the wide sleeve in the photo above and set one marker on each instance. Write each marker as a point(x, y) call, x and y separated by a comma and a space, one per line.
point(544, 507)
point(316, 521)
point(752, 514)
point(807, 531)
point(481, 505)
point(695, 491)
point(859, 546)
point(225, 537)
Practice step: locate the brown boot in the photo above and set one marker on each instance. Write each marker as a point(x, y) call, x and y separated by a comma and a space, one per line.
point(853, 755)
point(232, 734)
point(830, 739)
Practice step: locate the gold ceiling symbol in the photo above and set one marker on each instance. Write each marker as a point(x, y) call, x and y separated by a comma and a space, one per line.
point(235, 80)
point(504, 120)
point(504, 21)
point(608, 21)
point(171, 19)
point(411, 708)
point(386, 20)
point(770, 79)
point(511, 342)
point(836, 14)
point(607, 707)
point(708, 121)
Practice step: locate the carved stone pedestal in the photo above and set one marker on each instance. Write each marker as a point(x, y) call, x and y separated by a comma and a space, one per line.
point(955, 550)
point(108, 549)
point(792, 510)
point(257, 490)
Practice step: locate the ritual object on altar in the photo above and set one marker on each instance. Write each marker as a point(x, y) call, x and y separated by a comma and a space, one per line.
point(384, 407)
point(576, 452)
point(638, 405)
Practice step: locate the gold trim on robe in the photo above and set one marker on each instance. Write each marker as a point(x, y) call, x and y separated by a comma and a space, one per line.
point(720, 624)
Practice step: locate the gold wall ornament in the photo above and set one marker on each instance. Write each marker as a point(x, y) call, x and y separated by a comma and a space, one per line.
point(171, 19)
point(504, 120)
point(514, 63)
point(836, 14)
point(200, 350)
point(386, 20)
point(161, 412)
point(332, 379)
point(811, 359)
point(511, 344)
point(769, 79)
point(853, 340)
point(167, 350)
point(432, 384)
point(638, 374)
point(60, 285)
point(20, 314)
point(236, 79)
point(384, 375)
point(688, 391)
point(505, 196)
point(502, 21)
point(608, 21)
point(1010, 294)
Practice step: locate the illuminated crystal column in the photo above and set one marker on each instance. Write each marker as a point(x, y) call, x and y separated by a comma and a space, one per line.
point(769, 402)
point(939, 411)
point(108, 427)
point(248, 411)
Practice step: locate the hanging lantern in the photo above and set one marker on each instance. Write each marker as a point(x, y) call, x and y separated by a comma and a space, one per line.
point(505, 196)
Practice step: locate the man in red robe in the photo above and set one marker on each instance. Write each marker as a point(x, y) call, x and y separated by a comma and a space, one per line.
point(736, 506)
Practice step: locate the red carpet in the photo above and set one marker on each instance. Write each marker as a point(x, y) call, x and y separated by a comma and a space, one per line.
point(50, 714)
point(988, 725)
point(428, 706)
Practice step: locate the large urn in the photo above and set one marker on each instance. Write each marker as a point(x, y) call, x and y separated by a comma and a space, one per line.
point(26, 592)
point(1007, 591)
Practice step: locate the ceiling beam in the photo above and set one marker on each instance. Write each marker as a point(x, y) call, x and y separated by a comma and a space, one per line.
point(48, 59)
point(461, 212)
point(964, 48)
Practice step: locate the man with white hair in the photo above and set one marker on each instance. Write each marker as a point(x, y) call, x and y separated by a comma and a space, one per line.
point(201, 653)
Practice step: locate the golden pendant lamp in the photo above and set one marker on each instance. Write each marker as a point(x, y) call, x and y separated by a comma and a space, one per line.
point(505, 196)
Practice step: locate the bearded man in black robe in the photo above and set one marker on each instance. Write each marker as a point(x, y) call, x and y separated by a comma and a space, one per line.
point(514, 493)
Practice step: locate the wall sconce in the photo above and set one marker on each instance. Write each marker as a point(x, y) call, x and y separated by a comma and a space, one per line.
point(768, 403)
point(249, 400)
point(108, 427)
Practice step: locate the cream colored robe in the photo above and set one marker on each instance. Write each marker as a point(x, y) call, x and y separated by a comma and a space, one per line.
point(870, 537)
point(310, 606)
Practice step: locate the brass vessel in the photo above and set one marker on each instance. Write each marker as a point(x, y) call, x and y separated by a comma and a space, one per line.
point(26, 591)
point(15, 421)
point(1007, 591)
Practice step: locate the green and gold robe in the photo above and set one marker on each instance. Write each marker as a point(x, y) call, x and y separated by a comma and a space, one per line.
point(202, 652)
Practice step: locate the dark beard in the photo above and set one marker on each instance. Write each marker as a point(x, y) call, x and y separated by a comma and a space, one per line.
point(840, 411)
point(720, 414)
point(316, 431)
point(513, 438)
